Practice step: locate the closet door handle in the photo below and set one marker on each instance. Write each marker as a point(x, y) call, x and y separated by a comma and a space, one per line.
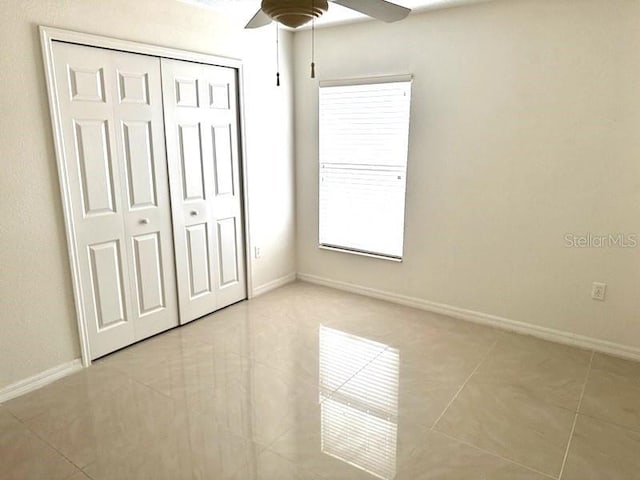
point(144, 221)
point(194, 213)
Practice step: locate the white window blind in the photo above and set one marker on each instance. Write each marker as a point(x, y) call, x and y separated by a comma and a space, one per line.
point(364, 139)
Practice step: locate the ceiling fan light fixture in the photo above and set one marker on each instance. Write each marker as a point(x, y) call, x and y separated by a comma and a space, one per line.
point(294, 13)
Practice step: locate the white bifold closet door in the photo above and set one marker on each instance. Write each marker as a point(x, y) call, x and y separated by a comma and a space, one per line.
point(201, 125)
point(112, 129)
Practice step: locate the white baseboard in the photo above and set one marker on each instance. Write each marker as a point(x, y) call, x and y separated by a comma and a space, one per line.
point(558, 336)
point(272, 285)
point(40, 380)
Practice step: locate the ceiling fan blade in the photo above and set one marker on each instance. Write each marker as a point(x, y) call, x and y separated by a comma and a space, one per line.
point(379, 9)
point(260, 19)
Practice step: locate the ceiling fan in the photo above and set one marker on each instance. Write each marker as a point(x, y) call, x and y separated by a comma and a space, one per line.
point(295, 13)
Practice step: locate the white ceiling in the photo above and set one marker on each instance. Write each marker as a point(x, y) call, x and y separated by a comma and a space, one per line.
point(337, 14)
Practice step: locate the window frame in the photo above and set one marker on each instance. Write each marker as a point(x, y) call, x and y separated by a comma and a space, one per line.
point(382, 79)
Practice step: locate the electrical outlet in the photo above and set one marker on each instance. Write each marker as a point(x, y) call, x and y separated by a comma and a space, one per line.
point(256, 252)
point(598, 291)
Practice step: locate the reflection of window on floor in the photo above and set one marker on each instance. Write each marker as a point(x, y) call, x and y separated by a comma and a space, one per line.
point(360, 421)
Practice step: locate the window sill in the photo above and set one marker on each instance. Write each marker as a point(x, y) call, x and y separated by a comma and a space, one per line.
point(358, 252)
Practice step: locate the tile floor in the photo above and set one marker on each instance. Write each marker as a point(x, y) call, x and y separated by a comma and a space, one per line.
point(311, 383)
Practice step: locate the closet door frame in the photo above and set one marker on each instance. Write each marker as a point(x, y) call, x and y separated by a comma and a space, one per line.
point(50, 34)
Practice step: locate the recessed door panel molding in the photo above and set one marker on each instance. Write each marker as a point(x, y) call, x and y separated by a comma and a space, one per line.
point(186, 92)
point(133, 87)
point(227, 252)
point(149, 273)
point(199, 260)
point(140, 165)
point(191, 162)
point(107, 290)
point(86, 84)
point(223, 159)
point(111, 123)
point(204, 174)
point(95, 166)
point(219, 96)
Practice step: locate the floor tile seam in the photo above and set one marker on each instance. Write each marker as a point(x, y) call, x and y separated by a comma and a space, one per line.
point(432, 428)
point(256, 450)
point(30, 430)
point(292, 462)
point(586, 381)
point(142, 384)
point(186, 338)
point(55, 449)
point(267, 446)
point(539, 399)
point(495, 455)
point(464, 384)
point(357, 372)
point(265, 364)
point(634, 430)
point(65, 426)
point(199, 412)
point(262, 445)
point(18, 419)
point(575, 418)
point(76, 472)
point(278, 437)
point(124, 374)
point(80, 467)
point(86, 474)
point(611, 375)
point(29, 418)
point(149, 387)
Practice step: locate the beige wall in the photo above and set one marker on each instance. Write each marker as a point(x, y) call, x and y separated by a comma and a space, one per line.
point(37, 319)
point(525, 124)
point(525, 127)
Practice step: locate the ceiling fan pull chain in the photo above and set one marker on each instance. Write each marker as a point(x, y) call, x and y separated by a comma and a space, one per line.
point(313, 43)
point(277, 55)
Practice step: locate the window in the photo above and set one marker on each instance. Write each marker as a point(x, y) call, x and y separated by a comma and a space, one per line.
point(364, 140)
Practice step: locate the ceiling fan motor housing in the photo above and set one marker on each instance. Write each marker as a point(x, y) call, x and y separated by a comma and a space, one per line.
point(294, 13)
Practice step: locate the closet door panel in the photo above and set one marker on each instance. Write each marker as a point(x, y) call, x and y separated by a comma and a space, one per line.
point(112, 125)
point(138, 111)
point(201, 121)
point(191, 177)
point(85, 84)
point(222, 112)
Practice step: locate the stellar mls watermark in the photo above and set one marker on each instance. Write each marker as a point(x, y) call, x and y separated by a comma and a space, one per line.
point(595, 240)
